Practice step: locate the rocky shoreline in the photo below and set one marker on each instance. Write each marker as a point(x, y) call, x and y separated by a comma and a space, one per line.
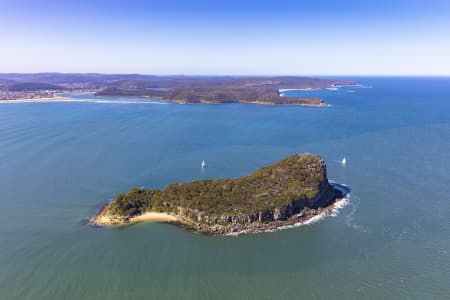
point(103, 219)
point(268, 221)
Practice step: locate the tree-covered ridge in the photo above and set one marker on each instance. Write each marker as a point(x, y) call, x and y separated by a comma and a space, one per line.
point(222, 89)
point(32, 86)
point(297, 177)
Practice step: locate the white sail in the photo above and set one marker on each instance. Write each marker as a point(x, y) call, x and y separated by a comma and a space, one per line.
point(344, 161)
point(203, 164)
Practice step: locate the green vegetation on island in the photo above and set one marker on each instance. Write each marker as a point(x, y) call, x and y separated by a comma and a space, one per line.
point(294, 189)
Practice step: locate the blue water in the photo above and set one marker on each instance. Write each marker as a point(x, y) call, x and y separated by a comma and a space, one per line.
point(60, 161)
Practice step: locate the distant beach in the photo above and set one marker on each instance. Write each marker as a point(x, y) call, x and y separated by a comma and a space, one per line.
point(68, 98)
point(305, 89)
point(48, 99)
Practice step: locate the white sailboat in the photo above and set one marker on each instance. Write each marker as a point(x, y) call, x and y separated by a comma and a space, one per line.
point(344, 161)
point(203, 164)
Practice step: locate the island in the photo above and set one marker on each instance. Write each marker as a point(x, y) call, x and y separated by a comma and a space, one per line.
point(280, 195)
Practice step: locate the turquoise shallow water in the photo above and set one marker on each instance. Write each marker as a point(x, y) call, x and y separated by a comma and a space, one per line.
point(60, 161)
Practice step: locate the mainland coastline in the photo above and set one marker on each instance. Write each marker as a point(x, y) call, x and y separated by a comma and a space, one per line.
point(18, 88)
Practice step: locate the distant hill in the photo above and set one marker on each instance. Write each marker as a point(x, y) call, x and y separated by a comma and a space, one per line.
point(70, 77)
point(32, 86)
point(145, 81)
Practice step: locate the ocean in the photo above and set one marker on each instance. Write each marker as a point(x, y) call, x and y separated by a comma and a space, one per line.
point(59, 162)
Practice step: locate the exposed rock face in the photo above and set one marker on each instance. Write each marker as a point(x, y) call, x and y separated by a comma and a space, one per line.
point(299, 210)
point(290, 191)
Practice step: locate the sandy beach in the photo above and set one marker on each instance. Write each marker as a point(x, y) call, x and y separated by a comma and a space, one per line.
point(49, 99)
point(154, 217)
point(60, 99)
point(103, 219)
point(299, 89)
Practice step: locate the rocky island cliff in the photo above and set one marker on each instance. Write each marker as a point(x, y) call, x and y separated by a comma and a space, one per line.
point(290, 191)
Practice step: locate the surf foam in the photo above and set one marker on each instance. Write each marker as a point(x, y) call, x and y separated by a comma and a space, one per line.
point(334, 212)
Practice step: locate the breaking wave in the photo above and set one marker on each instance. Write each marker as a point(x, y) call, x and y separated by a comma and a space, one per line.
point(334, 212)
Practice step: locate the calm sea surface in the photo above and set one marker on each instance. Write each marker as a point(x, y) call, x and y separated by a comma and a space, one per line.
point(60, 161)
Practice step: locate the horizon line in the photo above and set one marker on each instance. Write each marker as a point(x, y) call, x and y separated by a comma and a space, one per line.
point(230, 75)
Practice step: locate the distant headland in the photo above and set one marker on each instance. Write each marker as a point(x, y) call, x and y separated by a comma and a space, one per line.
point(289, 192)
point(221, 90)
point(177, 89)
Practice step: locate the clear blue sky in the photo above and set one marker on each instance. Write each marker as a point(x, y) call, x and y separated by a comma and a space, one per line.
point(383, 37)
